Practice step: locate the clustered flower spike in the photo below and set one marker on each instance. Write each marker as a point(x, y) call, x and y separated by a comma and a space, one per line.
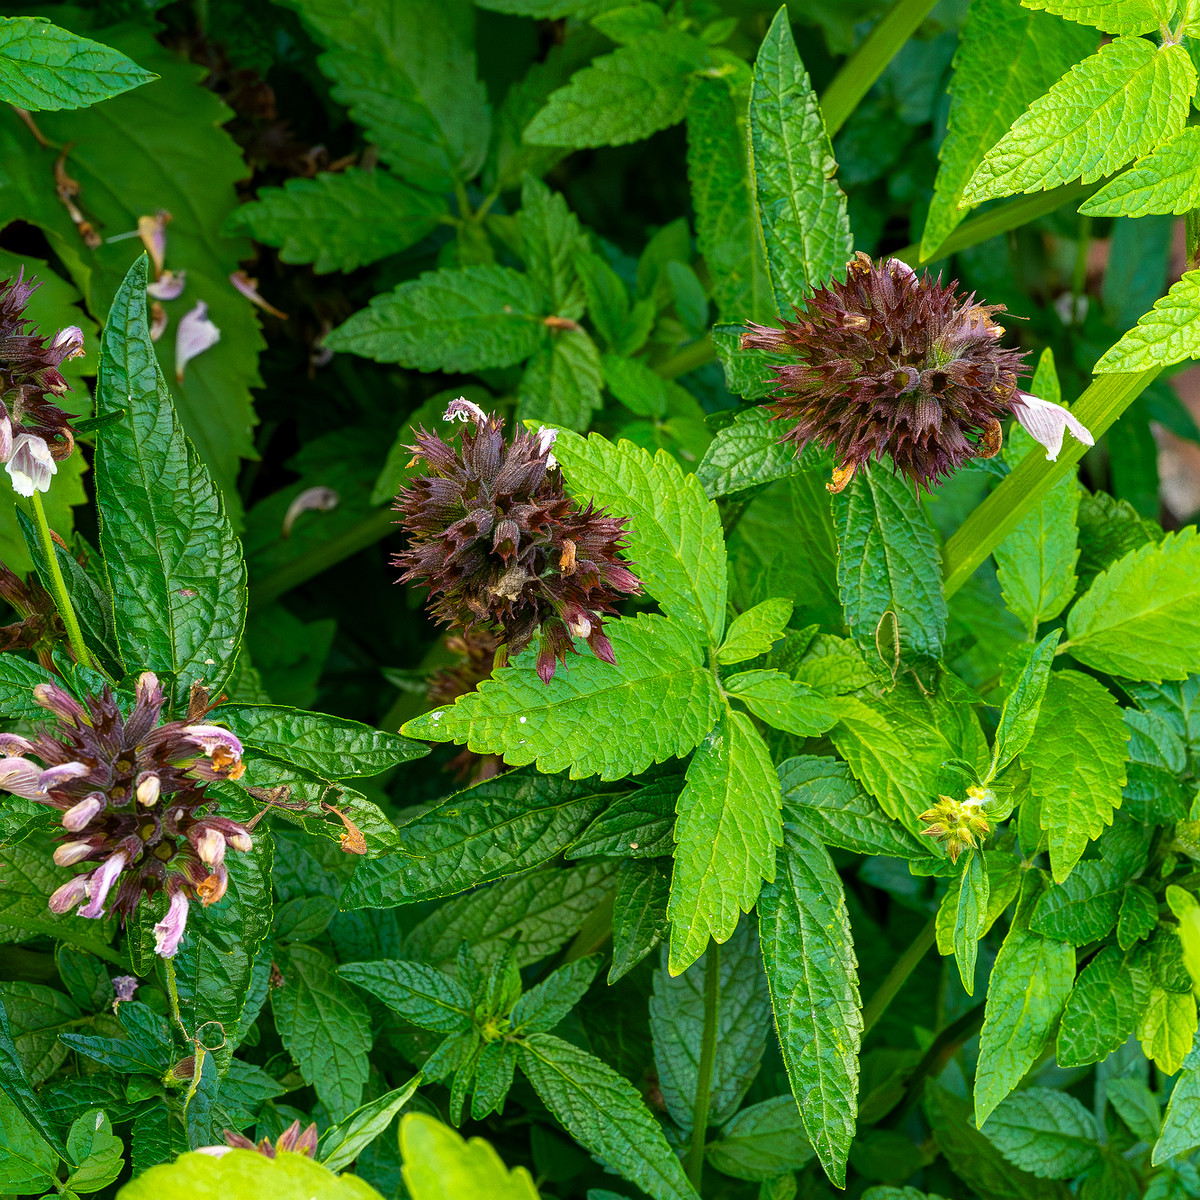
point(131, 794)
point(500, 544)
point(293, 1140)
point(957, 823)
point(891, 364)
point(35, 434)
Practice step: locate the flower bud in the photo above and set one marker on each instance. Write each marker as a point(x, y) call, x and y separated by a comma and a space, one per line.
point(30, 466)
point(70, 853)
point(60, 702)
point(73, 892)
point(210, 846)
point(148, 787)
point(78, 815)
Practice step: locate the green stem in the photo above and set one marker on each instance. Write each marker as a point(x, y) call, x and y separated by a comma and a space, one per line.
point(708, 1056)
point(58, 585)
point(173, 993)
point(687, 359)
point(877, 1005)
point(1192, 238)
point(1105, 400)
point(868, 62)
point(1079, 274)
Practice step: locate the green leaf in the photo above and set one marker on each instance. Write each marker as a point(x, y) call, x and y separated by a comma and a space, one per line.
point(551, 243)
point(416, 992)
point(97, 1155)
point(765, 1140)
point(604, 1113)
point(1136, 1105)
point(44, 67)
point(784, 704)
point(338, 222)
point(755, 631)
point(1137, 917)
point(724, 201)
point(1007, 56)
point(1077, 758)
point(970, 918)
point(1167, 1028)
point(1029, 986)
point(144, 1047)
point(624, 96)
point(176, 570)
point(1162, 182)
point(1083, 908)
point(449, 320)
point(1141, 617)
point(330, 746)
point(16, 1090)
point(1113, 16)
point(341, 1144)
point(1165, 335)
point(1103, 1009)
point(30, 1165)
point(547, 1003)
point(889, 563)
point(822, 795)
point(407, 75)
point(743, 1022)
point(801, 209)
point(642, 390)
point(1047, 1133)
point(639, 912)
point(1023, 703)
point(1181, 1126)
point(438, 1164)
point(325, 1027)
point(639, 824)
point(675, 535)
point(1080, 129)
point(745, 454)
point(726, 832)
point(812, 973)
point(39, 1013)
point(624, 329)
point(562, 383)
point(659, 689)
point(1004, 882)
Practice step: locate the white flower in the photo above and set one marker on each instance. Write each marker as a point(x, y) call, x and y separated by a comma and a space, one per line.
point(464, 410)
point(169, 931)
point(168, 286)
point(31, 465)
point(546, 439)
point(196, 334)
point(1046, 422)
point(70, 339)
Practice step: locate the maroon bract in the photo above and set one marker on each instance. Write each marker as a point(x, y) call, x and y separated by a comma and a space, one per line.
point(500, 544)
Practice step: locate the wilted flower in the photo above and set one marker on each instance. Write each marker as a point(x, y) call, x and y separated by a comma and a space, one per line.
point(957, 823)
point(131, 794)
point(892, 364)
point(124, 987)
point(196, 333)
point(500, 544)
point(292, 1140)
point(168, 286)
point(313, 499)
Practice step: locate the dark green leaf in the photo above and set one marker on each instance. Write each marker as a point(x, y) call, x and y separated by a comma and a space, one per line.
point(638, 825)
point(764, 1141)
point(547, 1003)
point(1048, 1133)
point(416, 992)
point(639, 912)
point(1023, 702)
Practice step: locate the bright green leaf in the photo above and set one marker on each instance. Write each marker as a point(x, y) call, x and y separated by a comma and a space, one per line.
point(1181, 1125)
point(1167, 1028)
point(755, 631)
point(1023, 703)
point(970, 918)
point(1162, 182)
point(1112, 16)
point(1047, 1133)
point(1165, 335)
point(784, 704)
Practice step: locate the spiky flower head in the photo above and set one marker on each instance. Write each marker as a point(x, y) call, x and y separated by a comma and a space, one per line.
point(293, 1140)
point(35, 434)
point(957, 823)
point(892, 364)
point(131, 796)
point(500, 544)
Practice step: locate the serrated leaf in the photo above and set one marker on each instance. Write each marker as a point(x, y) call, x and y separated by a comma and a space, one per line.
point(1136, 1105)
point(783, 703)
point(801, 209)
point(1165, 335)
point(813, 977)
point(755, 631)
point(1080, 128)
point(822, 795)
point(763, 1142)
point(325, 1027)
point(1047, 1133)
point(1181, 1125)
point(724, 200)
point(407, 75)
point(659, 689)
point(16, 1090)
point(449, 320)
point(438, 1164)
point(639, 912)
point(743, 1021)
point(636, 825)
point(1167, 1028)
point(1077, 758)
point(175, 568)
point(546, 1003)
point(1007, 56)
point(1113, 16)
point(563, 381)
point(604, 1113)
point(44, 67)
point(1162, 182)
point(1083, 908)
point(1141, 617)
point(624, 96)
point(39, 1012)
point(1029, 986)
point(745, 454)
point(889, 563)
point(726, 830)
point(1023, 703)
point(1137, 917)
point(416, 992)
point(341, 1144)
point(551, 242)
point(1004, 882)
point(338, 222)
point(970, 919)
point(30, 1164)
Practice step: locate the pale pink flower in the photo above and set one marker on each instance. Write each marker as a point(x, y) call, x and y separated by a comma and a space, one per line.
point(1046, 422)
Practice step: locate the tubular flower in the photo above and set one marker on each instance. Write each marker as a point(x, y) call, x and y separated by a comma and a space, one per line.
point(35, 434)
point(131, 794)
point(891, 364)
point(500, 544)
point(957, 823)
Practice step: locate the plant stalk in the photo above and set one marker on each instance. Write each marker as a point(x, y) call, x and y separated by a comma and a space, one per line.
point(877, 1005)
point(58, 585)
point(708, 1056)
point(1098, 408)
point(871, 58)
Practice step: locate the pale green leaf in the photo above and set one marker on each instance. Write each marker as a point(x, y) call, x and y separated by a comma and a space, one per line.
point(1181, 1125)
point(1047, 1133)
point(1004, 882)
point(1007, 56)
point(675, 535)
point(1112, 16)
point(726, 831)
point(1082, 128)
point(339, 221)
point(341, 1144)
point(563, 381)
point(1029, 986)
point(755, 631)
point(658, 691)
point(970, 919)
point(1166, 334)
point(1163, 182)
point(440, 1164)
point(801, 209)
point(1167, 1028)
point(449, 320)
point(1141, 618)
point(1103, 1009)
point(1077, 762)
point(783, 703)
point(1023, 702)
point(813, 976)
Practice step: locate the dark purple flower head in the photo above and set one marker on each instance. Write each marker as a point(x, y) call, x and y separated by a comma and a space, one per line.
point(889, 364)
point(293, 1140)
point(131, 794)
point(500, 545)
